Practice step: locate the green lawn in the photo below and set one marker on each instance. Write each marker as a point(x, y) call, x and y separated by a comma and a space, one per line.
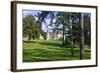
point(47, 50)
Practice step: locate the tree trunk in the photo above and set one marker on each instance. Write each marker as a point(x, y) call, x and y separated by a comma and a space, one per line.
point(71, 36)
point(63, 42)
point(81, 37)
point(29, 37)
point(53, 36)
point(48, 35)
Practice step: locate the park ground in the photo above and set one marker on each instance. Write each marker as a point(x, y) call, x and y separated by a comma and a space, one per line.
point(50, 50)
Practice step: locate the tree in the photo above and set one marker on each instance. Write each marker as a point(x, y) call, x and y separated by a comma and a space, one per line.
point(62, 20)
point(41, 19)
point(87, 29)
point(68, 19)
point(44, 34)
point(71, 33)
point(31, 29)
point(82, 36)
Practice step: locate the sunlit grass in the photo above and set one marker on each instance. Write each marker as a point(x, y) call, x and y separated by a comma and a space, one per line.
point(49, 50)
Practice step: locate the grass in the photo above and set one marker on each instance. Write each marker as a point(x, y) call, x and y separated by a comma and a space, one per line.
point(49, 50)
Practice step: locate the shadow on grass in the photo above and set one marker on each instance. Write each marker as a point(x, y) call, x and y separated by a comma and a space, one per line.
point(48, 43)
point(51, 44)
point(29, 41)
point(43, 55)
point(53, 51)
point(37, 55)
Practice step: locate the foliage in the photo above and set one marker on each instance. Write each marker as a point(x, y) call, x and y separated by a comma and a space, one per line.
point(87, 30)
point(31, 28)
point(44, 34)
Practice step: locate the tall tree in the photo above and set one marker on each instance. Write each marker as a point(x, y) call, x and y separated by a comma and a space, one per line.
point(31, 29)
point(62, 20)
point(87, 29)
point(82, 50)
point(71, 33)
point(42, 19)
